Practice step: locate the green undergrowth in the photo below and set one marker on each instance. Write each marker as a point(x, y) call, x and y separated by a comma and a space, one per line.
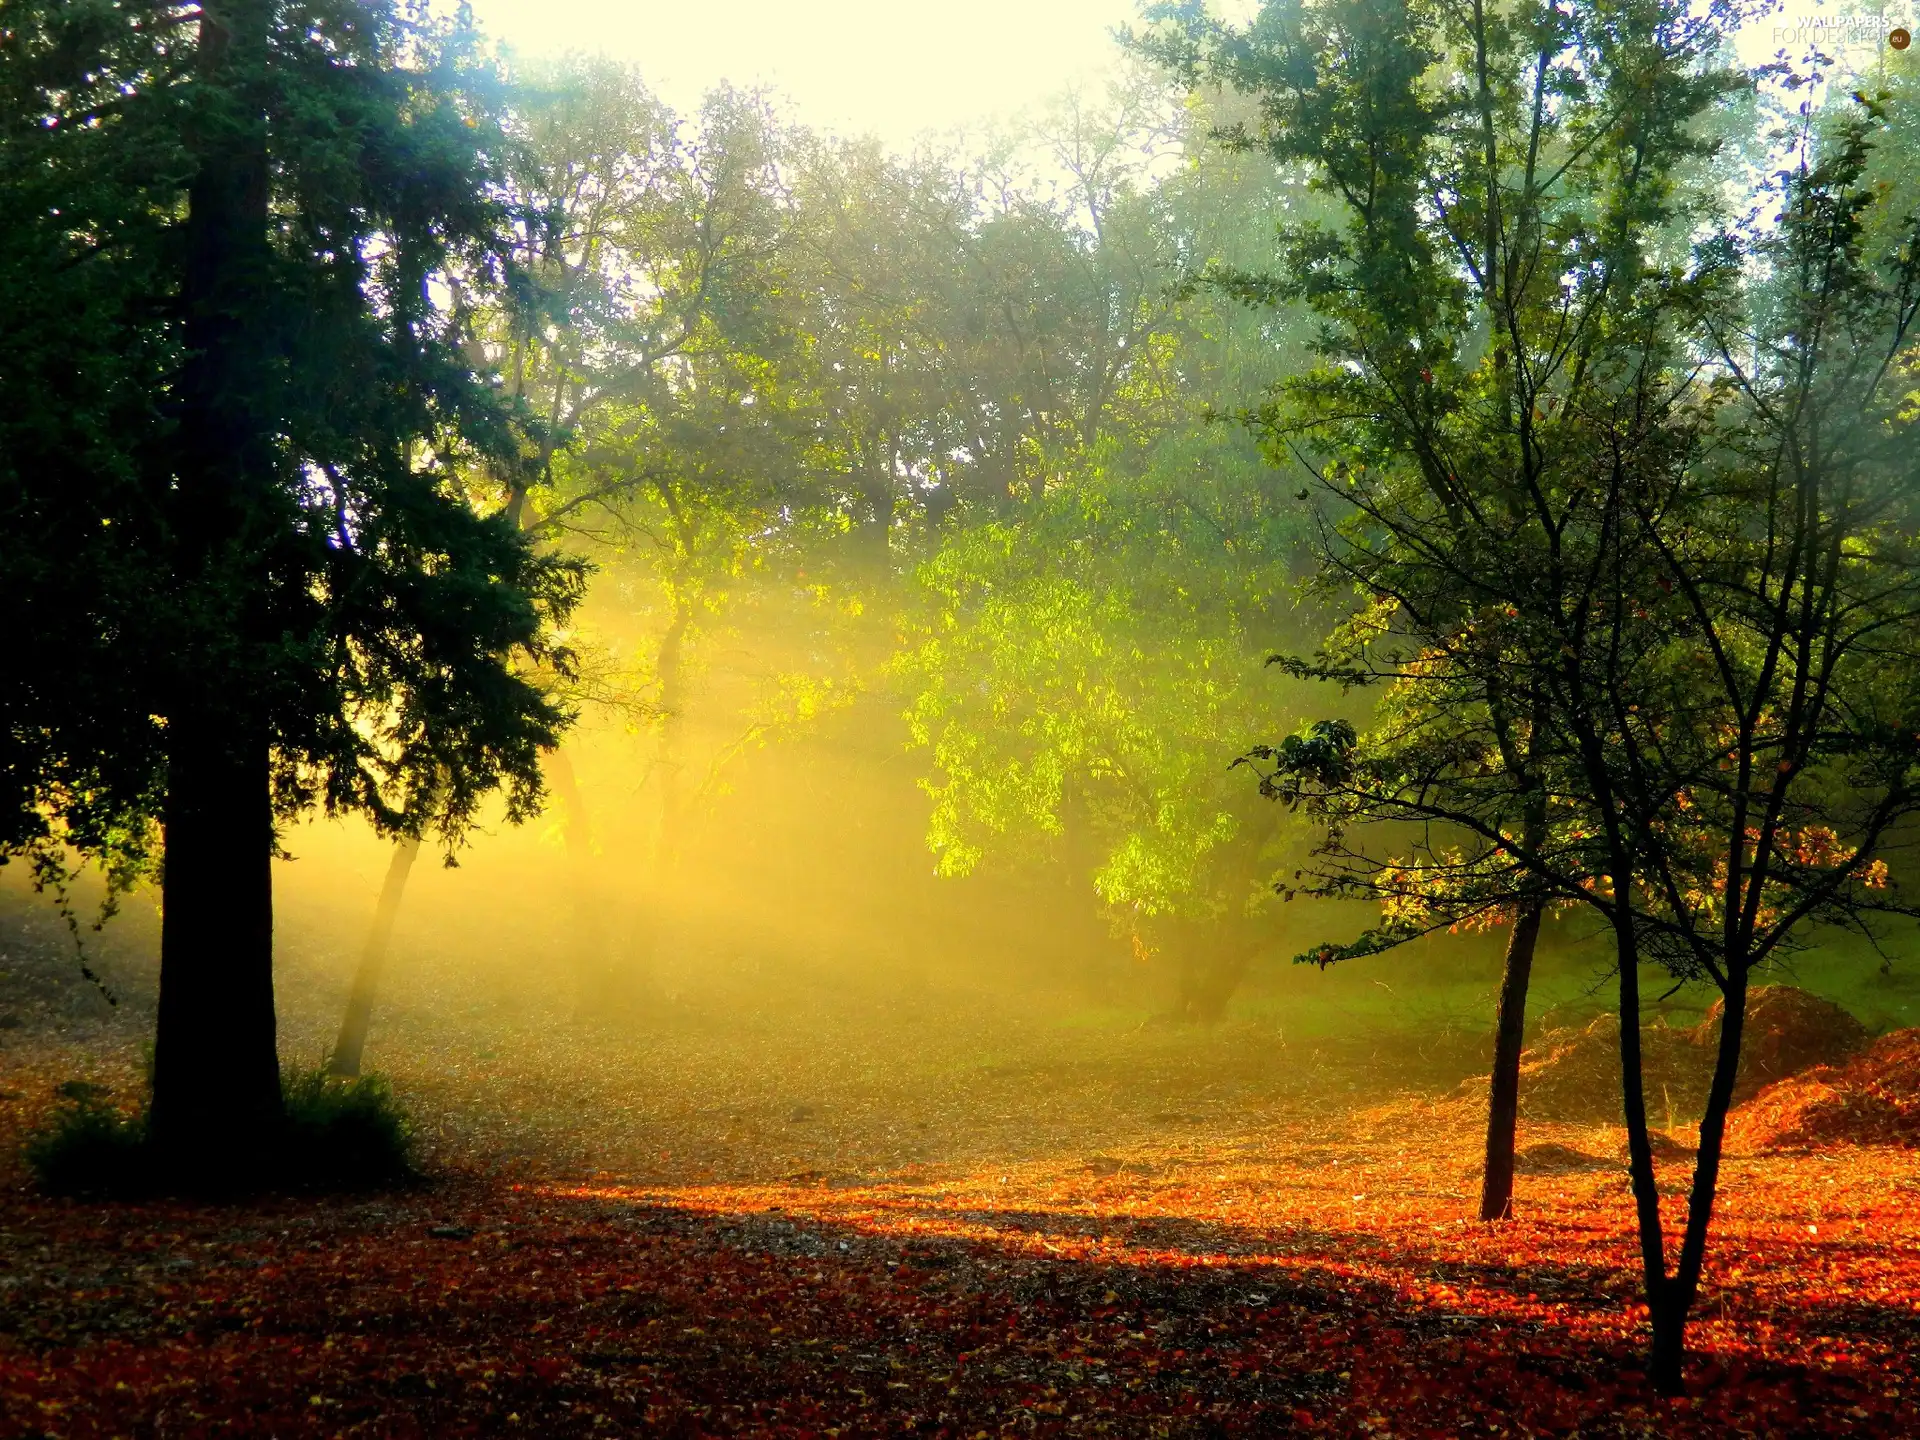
point(332, 1135)
point(89, 1146)
point(1451, 984)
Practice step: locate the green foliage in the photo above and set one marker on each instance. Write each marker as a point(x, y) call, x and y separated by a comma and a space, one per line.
point(1090, 663)
point(279, 427)
point(1091, 652)
point(837, 362)
point(344, 1134)
point(1498, 297)
point(91, 163)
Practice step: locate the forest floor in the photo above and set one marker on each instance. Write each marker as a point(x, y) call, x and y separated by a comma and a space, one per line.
point(941, 1225)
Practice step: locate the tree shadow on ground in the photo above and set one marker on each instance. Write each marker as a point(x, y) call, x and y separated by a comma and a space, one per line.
point(482, 1309)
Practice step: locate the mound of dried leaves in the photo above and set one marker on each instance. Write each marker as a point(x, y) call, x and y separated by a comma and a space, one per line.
point(1872, 1100)
point(1574, 1073)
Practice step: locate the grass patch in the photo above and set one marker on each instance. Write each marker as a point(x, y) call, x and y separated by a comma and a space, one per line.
point(332, 1135)
point(89, 1147)
point(344, 1134)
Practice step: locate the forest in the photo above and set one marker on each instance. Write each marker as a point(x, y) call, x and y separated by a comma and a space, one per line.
point(1239, 755)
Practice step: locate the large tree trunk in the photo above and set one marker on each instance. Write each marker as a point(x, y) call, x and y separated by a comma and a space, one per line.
point(216, 1069)
point(1212, 965)
point(1214, 956)
point(1510, 1033)
point(1211, 959)
point(216, 1082)
point(348, 1049)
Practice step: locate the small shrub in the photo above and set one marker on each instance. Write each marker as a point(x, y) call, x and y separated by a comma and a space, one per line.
point(89, 1147)
point(333, 1134)
point(344, 1134)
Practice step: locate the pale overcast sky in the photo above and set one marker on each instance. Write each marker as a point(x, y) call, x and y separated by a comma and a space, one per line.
point(900, 68)
point(893, 68)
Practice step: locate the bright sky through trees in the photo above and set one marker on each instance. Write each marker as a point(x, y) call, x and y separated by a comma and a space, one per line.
point(901, 68)
point(893, 68)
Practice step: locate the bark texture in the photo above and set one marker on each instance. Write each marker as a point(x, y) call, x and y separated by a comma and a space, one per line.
point(1509, 1038)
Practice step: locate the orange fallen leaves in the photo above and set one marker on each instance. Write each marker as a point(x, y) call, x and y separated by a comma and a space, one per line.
point(1872, 1099)
point(1296, 1279)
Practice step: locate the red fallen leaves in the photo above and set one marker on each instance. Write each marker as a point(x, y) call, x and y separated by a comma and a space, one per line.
point(1310, 1282)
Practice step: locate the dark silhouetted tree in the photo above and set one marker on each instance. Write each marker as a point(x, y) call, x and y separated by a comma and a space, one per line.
point(299, 603)
point(1634, 519)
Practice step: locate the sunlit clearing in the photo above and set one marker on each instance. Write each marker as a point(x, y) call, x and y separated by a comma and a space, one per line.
point(853, 718)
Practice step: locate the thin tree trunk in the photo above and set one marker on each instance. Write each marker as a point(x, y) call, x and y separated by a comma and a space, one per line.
point(1670, 1333)
point(348, 1048)
point(576, 826)
point(642, 940)
point(668, 758)
point(1667, 1353)
point(1670, 1297)
point(587, 929)
point(1510, 1033)
point(597, 988)
point(1667, 1318)
point(876, 484)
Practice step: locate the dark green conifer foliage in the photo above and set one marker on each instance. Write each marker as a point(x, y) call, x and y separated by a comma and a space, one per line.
point(253, 537)
point(89, 183)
